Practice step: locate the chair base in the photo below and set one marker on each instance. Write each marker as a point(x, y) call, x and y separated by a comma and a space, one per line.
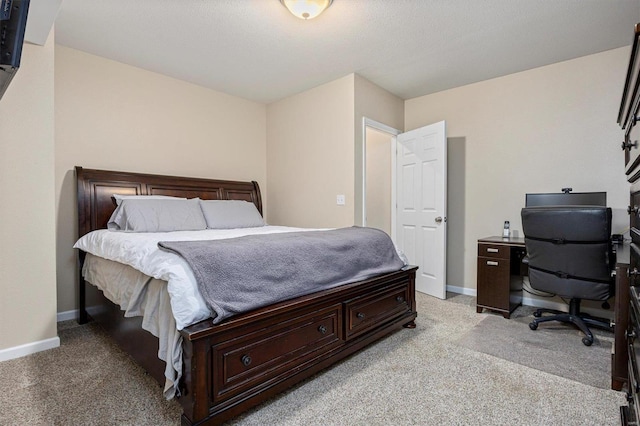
point(574, 316)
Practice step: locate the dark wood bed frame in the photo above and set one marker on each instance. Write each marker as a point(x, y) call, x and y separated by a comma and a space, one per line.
point(235, 365)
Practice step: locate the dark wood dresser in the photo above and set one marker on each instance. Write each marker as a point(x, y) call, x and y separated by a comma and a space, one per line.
point(628, 117)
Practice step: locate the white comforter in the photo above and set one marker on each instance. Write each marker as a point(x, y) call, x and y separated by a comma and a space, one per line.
point(140, 251)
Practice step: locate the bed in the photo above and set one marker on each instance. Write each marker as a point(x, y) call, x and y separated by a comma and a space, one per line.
point(244, 360)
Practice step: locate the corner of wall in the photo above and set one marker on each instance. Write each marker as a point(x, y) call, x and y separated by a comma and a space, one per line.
point(27, 284)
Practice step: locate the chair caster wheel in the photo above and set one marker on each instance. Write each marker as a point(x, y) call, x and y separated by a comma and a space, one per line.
point(533, 326)
point(537, 314)
point(586, 341)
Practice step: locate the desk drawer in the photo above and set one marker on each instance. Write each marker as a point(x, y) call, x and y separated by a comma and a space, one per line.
point(493, 250)
point(493, 282)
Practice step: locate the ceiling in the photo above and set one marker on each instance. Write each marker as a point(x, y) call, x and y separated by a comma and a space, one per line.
point(256, 49)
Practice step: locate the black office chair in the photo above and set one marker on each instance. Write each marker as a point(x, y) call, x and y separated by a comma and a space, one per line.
point(570, 254)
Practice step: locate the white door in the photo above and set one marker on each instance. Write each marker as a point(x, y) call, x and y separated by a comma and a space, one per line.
point(421, 221)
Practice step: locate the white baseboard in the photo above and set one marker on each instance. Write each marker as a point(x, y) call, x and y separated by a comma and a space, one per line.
point(43, 345)
point(67, 315)
point(462, 290)
point(29, 348)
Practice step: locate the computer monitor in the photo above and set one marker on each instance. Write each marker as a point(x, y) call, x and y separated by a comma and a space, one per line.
point(567, 199)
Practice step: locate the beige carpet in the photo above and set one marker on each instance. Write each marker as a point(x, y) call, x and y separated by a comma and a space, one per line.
point(423, 376)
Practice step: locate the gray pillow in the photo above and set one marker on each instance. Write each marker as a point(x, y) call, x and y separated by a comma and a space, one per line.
point(157, 215)
point(227, 214)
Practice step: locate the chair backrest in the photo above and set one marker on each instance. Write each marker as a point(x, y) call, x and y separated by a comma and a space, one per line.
point(569, 250)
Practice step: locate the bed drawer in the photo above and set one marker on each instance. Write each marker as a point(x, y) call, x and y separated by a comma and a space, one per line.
point(262, 356)
point(367, 312)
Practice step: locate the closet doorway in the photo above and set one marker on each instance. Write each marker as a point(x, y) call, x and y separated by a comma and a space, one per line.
point(379, 160)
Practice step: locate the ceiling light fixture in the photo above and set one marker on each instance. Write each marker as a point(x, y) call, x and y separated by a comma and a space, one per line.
point(306, 9)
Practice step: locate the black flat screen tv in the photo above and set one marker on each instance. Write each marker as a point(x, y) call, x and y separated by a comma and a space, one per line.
point(567, 199)
point(11, 39)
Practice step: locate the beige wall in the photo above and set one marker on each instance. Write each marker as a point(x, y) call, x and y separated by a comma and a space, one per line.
point(117, 117)
point(310, 156)
point(27, 282)
point(377, 104)
point(378, 179)
point(534, 131)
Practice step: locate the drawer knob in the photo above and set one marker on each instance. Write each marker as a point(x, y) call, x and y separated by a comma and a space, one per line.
point(632, 273)
point(628, 145)
point(492, 263)
point(633, 210)
point(631, 334)
point(400, 299)
point(492, 250)
point(322, 329)
point(360, 315)
point(246, 360)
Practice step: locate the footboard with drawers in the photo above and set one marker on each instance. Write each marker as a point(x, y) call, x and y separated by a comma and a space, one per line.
point(249, 358)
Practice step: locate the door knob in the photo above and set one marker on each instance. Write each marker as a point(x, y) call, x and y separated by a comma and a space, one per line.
point(439, 219)
point(628, 145)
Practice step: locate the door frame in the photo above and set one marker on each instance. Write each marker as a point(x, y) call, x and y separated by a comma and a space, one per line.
point(376, 125)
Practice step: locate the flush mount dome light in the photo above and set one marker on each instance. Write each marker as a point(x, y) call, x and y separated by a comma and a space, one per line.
point(306, 9)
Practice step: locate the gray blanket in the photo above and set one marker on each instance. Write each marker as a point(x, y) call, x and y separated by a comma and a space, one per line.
point(240, 274)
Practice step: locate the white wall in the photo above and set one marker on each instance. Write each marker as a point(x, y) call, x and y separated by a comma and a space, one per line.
point(534, 131)
point(27, 282)
point(117, 117)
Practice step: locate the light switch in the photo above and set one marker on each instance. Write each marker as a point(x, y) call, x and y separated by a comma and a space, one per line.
point(340, 200)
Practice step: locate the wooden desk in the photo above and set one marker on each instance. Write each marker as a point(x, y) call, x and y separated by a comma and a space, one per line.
point(500, 272)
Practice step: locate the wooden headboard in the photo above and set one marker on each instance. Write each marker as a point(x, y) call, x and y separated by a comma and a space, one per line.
point(96, 189)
